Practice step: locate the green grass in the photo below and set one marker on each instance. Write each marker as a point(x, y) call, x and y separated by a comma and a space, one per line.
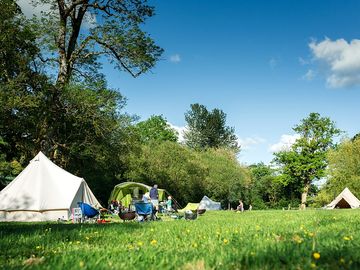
point(217, 240)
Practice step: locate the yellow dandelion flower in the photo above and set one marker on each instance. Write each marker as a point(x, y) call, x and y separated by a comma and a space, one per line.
point(81, 264)
point(226, 241)
point(316, 255)
point(296, 238)
point(140, 243)
point(346, 238)
point(153, 242)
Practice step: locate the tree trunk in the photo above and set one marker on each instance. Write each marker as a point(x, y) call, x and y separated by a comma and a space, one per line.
point(304, 196)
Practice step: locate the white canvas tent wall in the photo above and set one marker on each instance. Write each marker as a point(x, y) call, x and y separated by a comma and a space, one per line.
point(344, 200)
point(43, 191)
point(208, 204)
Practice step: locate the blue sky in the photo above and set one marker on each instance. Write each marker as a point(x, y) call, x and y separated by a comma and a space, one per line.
point(253, 60)
point(266, 64)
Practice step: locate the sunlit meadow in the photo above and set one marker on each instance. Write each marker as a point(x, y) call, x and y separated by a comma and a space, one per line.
point(312, 239)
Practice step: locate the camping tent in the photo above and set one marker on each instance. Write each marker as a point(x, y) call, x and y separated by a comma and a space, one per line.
point(344, 200)
point(208, 204)
point(190, 206)
point(128, 191)
point(43, 191)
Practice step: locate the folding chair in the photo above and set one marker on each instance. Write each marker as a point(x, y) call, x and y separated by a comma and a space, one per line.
point(145, 210)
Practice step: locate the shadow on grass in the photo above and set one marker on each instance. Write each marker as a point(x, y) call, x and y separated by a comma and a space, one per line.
point(16, 228)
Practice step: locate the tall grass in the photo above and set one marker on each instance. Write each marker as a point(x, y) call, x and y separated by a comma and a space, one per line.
point(218, 240)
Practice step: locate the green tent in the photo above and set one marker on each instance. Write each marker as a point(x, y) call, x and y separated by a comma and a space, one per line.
point(128, 191)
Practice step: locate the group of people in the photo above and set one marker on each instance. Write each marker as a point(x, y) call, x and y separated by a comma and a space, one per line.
point(153, 197)
point(115, 207)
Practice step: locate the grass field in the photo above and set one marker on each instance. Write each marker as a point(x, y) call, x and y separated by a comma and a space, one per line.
point(309, 239)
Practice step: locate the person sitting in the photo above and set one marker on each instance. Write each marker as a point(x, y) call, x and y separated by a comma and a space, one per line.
point(240, 207)
point(146, 198)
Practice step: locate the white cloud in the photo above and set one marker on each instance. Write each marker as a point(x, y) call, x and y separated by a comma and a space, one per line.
point(341, 59)
point(309, 75)
point(285, 143)
point(180, 131)
point(303, 61)
point(247, 142)
point(273, 63)
point(175, 58)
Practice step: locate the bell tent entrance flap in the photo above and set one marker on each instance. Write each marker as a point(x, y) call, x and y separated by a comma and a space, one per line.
point(128, 191)
point(344, 200)
point(43, 192)
point(208, 204)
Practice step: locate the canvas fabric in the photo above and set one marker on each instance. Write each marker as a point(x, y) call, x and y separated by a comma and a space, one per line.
point(344, 199)
point(43, 191)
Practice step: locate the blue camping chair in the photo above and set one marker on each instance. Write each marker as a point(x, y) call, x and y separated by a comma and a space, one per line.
point(144, 209)
point(87, 210)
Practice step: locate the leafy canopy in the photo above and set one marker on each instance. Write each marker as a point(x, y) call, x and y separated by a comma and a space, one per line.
point(208, 129)
point(307, 160)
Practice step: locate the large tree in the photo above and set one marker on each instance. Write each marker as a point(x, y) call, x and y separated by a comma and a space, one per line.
point(306, 160)
point(77, 33)
point(22, 88)
point(208, 129)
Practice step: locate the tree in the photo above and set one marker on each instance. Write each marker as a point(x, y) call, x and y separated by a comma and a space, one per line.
point(226, 180)
point(207, 129)
point(156, 128)
point(307, 161)
point(76, 33)
point(343, 171)
point(172, 166)
point(22, 88)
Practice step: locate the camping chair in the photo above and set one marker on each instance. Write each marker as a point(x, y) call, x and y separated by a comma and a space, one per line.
point(88, 211)
point(144, 210)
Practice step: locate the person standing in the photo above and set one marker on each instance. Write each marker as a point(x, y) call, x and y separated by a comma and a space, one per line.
point(154, 197)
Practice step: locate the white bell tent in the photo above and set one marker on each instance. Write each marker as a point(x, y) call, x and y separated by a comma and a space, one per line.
point(208, 204)
point(43, 192)
point(344, 200)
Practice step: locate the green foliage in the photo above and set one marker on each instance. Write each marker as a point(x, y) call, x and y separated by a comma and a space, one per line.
point(156, 128)
point(74, 35)
point(343, 171)
point(226, 180)
point(306, 161)
point(172, 166)
point(207, 129)
point(216, 240)
point(17, 44)
point(189, 175)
